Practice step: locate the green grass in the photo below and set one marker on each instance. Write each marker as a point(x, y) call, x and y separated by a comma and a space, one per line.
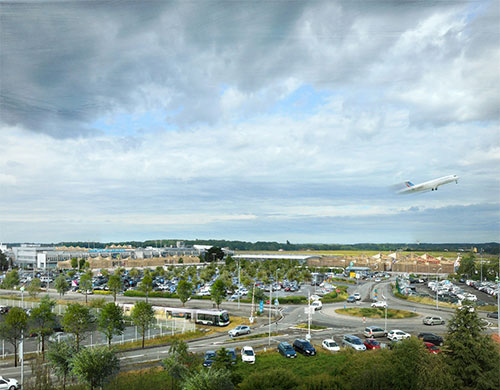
point(166, 339)
point(373, 312)
point(254, 336)
point(313, 327)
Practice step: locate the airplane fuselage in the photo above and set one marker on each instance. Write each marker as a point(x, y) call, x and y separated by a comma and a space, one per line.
point(431, 185)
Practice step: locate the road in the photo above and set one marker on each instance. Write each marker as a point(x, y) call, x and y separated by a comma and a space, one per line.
point(337, 325)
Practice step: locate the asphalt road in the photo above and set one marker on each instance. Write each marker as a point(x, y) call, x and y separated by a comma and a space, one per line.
point(337, 325)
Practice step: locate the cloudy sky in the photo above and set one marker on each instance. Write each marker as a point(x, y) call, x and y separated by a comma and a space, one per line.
point(250, 120)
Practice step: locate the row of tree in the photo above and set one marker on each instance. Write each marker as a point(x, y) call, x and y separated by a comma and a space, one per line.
point(77, 320)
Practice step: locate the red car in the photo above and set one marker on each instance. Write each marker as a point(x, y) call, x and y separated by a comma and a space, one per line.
point(432, 348)
point(371, 344)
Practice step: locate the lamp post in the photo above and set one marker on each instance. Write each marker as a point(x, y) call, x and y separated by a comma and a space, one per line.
point(385, 320)
point(270, 309)
point(437, 288)
point(239, 283)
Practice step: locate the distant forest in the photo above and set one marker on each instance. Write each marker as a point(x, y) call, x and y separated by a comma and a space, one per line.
point(490, 248)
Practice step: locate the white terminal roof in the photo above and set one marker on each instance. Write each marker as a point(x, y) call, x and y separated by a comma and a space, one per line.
point(273, 256)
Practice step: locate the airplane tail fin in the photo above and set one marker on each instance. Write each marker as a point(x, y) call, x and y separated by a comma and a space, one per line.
point(409, 184)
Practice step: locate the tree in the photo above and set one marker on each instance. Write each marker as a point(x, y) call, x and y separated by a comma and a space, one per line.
point(222, 359)
point(59, 356)
point(61, 285)
point(213, 379)
point(86, 283)
point(34, 287)
point(43, 319)
point(12, 328)
point(77, 320)
point(178, 361)
point(214, 254)
point(184, 291)
point(81, 264)
point(111, 321)
point(11, 279)
point(218, 292)
point(473, 358)
point(143, 317)
point(105, 273)
point(115, 284)
point(272, 379)
point(74, 263)
point(4, 262)
point(468, 266)
point(95, 365)
point(134, 273)
point(146, 285)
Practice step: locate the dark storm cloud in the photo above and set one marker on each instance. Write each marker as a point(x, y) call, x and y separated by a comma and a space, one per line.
point(64, 64)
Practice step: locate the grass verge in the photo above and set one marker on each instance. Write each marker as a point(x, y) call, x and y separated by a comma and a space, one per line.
point(313, 327)
point(373, 312)
point(166, 339)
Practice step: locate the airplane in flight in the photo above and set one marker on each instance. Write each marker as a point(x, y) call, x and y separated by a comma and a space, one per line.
point(431, 185)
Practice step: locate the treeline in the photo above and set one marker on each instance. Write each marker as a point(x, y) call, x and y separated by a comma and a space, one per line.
point(490, 248)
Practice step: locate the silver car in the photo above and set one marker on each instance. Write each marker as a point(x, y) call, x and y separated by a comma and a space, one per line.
point(374, 331)
point(353, 342)
point(433, 320)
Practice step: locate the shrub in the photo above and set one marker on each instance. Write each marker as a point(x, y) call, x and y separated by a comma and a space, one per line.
point(273, 379)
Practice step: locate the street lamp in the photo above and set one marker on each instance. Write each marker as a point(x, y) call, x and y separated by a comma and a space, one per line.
point(437, 289)
point(385, 322)
point(239, 284)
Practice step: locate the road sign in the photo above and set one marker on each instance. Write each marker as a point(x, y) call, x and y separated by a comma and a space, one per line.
point(22, 289)
point(351, 264)
point(276, 302)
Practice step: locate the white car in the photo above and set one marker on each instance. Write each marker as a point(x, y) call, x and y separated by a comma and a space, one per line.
point(379, 304)
point(330, 345)
point(317, 305)
point(247, 355)
point(314, 297)
point(357, 296)
point(397, 334)
point(8, 383)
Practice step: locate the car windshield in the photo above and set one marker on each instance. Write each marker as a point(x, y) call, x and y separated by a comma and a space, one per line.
point(332, 344)
point(288, 347)
point(356, 341)
point(248, 352)
point(209, 355)
point(373, 342)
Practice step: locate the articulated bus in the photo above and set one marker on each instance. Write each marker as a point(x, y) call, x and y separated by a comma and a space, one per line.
point(199, 316)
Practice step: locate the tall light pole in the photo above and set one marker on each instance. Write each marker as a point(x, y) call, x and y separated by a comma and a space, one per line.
point(270, 308)
point(498, 295)
point(385, 322)
point(437, 288)
point(239, 284)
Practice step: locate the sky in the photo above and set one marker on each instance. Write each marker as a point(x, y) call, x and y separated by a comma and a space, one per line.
point(249, 120)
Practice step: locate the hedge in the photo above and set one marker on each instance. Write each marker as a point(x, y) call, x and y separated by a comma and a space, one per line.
point(160, 294)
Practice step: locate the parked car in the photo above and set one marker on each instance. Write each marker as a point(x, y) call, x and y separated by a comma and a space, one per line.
point(317, 305)
point(431, 338)
point(492, 315)
point(330, 345)
point(248, 355)
point(8, 383)
point(357, 296)
point(209, 358)
point(61, 336)
point(371, 344)
point(433, 320)
point(304, 347)
point(239, 330)
point(351, 299)
point(374, 331)
point(382, 304)
point(287, 350)
point(353, 342)
point(397, 334)
point(432, 348)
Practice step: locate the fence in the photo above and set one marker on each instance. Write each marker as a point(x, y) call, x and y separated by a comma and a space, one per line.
point(161, 327)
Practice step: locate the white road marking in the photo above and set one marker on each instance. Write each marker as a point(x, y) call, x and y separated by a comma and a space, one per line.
point(131, 357)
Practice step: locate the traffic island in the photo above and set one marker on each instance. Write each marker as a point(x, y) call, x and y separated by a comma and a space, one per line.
point(371, 312)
